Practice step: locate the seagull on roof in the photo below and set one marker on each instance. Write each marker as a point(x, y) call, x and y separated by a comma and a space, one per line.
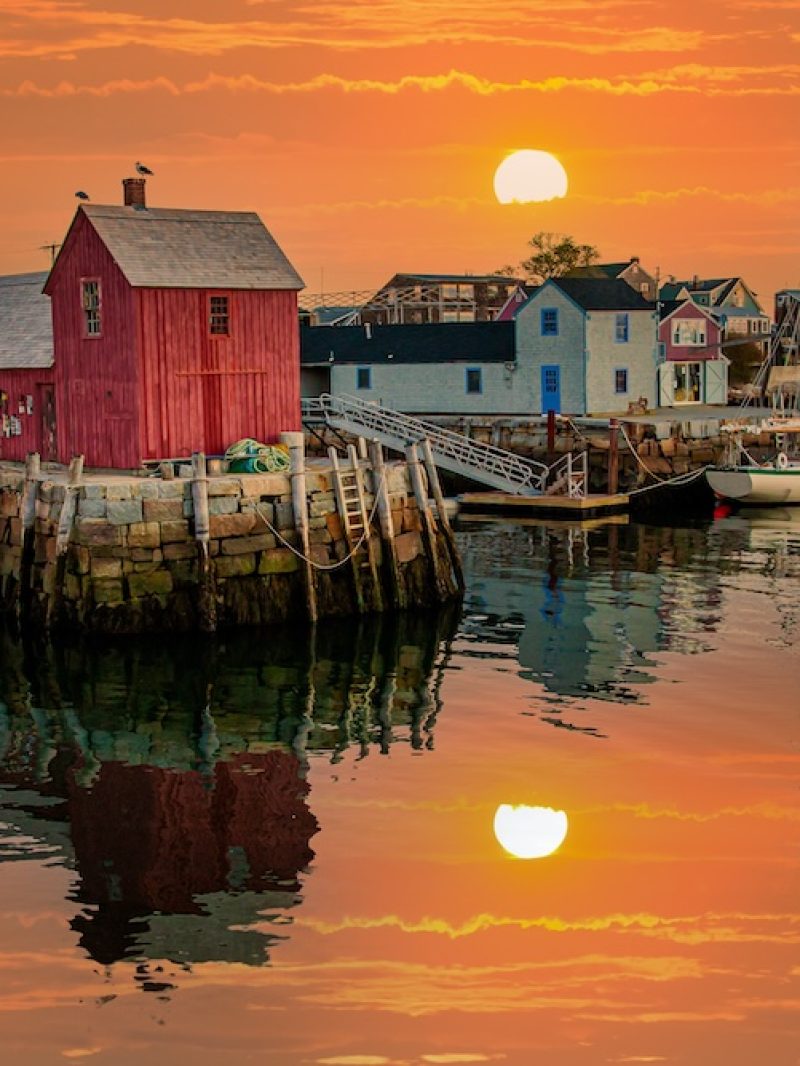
point(82, 195)
point(142, 169)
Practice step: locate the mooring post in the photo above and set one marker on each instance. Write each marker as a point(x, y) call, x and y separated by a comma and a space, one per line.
point(441, 510)
point(380, 489)
point(551, 433)
point(295, 442)
point(70, 505)
point(428, 527)
point(206, 598)
point(30, 493)
point(613, 456)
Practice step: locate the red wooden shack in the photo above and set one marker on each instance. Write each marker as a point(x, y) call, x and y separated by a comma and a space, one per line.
point(174, 331)
point(27, 391)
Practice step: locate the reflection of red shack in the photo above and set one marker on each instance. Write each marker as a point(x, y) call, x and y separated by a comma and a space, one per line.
point(152, 840)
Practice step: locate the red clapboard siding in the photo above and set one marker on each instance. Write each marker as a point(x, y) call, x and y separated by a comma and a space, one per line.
point(684, 352)
point(203, 392)
point(18, 385)
point(96, 377)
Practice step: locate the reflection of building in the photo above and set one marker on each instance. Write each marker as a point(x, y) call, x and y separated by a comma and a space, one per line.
point(182, 777)
point(585, 609)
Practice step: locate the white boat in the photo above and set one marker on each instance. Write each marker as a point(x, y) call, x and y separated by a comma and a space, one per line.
point(779, 484)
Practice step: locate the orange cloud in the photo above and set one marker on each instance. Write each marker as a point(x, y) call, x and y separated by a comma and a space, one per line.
point(686, 80)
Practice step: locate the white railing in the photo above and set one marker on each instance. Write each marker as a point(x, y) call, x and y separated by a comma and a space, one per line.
point(569, 476)
point(483, 462)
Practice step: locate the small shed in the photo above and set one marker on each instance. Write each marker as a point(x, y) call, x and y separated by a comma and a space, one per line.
point(174, 331)
point(694, 370)
point(27, 390)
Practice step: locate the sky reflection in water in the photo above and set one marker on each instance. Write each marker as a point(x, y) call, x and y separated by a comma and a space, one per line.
point(279, 848)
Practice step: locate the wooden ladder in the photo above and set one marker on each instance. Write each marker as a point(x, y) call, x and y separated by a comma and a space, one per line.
point(348, 486)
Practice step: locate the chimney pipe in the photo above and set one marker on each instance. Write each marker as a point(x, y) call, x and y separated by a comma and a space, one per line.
point(133, 192)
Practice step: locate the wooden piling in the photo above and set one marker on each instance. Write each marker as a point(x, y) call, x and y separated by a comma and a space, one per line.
point(381, 491)
point(206, 593)
point(613, 456)
point(30, 493)
point(295, 442)
point(441, 510)
point(66, 520)
point(428, 527)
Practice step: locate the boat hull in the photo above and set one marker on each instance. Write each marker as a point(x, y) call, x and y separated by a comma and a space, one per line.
point(760, 485)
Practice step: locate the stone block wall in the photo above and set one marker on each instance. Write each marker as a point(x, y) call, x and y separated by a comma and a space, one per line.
point(133, 563)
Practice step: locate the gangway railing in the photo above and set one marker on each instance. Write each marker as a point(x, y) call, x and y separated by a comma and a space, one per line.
point(451, 451)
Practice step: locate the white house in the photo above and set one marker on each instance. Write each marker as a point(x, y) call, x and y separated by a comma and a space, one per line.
point(587, 346)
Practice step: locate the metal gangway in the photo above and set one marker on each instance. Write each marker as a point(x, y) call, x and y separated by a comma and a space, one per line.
point(451, 451)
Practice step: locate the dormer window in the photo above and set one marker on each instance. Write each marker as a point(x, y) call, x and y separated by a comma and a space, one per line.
point(219, 316)
point(90, 300)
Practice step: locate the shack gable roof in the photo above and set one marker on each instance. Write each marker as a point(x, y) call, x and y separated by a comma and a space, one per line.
point(446, 342)
point(694, 310)
point(602, 294)
point(26, 328)
point(157, 247)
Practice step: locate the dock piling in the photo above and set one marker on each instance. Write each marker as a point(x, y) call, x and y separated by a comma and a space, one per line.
point(295, 442)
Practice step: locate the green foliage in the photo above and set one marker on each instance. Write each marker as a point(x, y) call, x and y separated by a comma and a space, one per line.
point(555, 254)
point(745, 359)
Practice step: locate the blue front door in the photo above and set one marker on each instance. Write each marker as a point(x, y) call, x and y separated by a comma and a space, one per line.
point(551, 389)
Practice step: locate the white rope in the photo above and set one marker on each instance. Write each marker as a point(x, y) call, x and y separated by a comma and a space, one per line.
point(349, 556)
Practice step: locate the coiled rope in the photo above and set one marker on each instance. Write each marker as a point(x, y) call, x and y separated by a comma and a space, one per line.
point(250, 456)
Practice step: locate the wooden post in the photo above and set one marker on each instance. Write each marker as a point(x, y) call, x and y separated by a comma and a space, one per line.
point(206, 594)
point(30, 492)
point(381, 491)
point(295, 442)
point(441, 510)
point(613, 457)
point(428, 528)
point(66, 518)
point(551, 433)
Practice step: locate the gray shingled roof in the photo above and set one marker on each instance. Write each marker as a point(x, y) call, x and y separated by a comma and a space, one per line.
point(158, 247)
point(26, 329)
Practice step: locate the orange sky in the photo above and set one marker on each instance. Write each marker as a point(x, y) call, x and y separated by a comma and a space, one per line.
point(366, 133)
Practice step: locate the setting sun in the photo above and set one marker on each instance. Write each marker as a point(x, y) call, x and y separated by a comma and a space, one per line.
point(529, 175)
point(530, 832)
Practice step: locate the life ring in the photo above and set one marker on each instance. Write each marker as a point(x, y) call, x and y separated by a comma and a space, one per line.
point(781, 461)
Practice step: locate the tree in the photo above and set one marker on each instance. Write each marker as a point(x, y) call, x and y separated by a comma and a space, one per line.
point(555, 254)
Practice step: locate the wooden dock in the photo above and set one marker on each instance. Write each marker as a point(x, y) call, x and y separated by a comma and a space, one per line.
point(553, 506)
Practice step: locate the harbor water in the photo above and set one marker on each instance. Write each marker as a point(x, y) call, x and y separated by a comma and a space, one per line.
point(278, 846)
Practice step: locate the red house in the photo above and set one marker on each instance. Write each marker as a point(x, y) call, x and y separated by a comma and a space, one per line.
point(27, 391)
point(174, 331)
point(690, 340)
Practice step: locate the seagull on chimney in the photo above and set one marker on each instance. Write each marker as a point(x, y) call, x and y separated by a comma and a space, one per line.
point(81, 195)
point(143, 170)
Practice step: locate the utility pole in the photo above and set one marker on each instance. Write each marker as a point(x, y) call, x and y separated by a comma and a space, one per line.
point(52, 249)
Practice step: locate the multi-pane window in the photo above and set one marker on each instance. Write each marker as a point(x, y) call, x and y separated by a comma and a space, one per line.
point(621, 328)
point(549, 322)
point(621, 380)
point(688, 331)
point(90, 294)
point(474, 380)
point(364, 377)
point(219, 322)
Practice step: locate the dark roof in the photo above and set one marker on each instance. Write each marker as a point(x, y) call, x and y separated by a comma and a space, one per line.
point(670, 289)
point(26, 328)
point(449, 279)
point(446, 342)
point(599, 270)
point(158, 247)
point(603, 294)
point(666, 307)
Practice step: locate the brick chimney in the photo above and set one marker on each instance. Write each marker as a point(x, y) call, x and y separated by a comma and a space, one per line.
point(133, 192)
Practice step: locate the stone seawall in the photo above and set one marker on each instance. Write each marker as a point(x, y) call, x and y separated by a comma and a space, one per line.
point(131, 560)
